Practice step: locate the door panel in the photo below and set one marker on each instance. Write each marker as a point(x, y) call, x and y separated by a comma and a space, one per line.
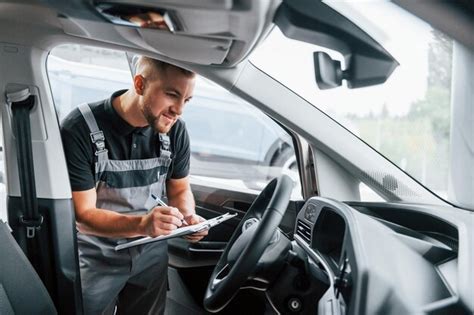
point(235, 151)
point(210, 202)
point(191, 264)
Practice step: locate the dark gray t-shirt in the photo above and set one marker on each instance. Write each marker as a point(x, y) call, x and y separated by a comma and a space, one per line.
point(124, 142)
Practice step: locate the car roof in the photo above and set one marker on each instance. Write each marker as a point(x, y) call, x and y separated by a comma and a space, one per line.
point(211, 33)
point(218, 33)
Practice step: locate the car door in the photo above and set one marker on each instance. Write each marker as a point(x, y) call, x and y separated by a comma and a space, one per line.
point(235, 151)
point(226, 176)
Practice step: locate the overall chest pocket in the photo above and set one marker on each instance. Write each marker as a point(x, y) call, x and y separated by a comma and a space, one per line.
point(131, 173)
point(132, 178)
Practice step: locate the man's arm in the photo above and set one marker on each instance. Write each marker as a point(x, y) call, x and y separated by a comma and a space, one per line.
point(106, 223)
point(180, 196)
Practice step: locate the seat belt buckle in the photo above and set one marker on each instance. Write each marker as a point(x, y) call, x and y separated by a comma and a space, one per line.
point(31, 225)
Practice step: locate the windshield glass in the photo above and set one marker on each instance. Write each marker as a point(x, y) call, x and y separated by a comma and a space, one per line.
point(408, 118)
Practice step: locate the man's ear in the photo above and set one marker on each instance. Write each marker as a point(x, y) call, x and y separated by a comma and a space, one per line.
point(139, 84)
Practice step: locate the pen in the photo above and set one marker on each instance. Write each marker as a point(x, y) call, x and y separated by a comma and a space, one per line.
point(160, 202)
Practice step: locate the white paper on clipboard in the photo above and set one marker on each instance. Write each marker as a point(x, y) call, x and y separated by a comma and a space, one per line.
point(186, 230)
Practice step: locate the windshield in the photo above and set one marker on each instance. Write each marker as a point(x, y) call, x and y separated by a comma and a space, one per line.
point(408, 118)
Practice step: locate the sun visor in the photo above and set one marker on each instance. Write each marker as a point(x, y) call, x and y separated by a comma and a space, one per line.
point(199, 50)
point(186, 48)
point(207, 32)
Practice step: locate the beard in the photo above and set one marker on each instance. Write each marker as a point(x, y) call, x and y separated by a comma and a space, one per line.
point(154, 121)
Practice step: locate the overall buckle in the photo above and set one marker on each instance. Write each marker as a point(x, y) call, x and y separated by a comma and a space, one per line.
point(98, 139)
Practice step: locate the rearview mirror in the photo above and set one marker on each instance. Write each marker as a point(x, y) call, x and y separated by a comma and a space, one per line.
point(366, 61)
point(363, 71)
point(328, 71)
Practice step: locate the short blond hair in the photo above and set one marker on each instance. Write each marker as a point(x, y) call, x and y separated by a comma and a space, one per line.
point(151, 68)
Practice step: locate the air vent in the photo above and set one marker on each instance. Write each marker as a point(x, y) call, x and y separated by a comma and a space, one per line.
point(304, 231)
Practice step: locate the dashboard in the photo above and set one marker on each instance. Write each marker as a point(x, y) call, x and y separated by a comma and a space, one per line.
point(387, 258)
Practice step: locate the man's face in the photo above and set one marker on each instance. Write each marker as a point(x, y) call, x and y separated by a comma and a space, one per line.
point(164, 98)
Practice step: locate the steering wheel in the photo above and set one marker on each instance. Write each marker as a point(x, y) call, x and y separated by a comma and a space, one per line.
point(248, 243)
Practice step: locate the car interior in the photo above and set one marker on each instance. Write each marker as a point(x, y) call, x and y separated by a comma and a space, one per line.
point(346, 229)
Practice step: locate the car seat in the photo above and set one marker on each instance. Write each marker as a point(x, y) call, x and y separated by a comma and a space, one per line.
point(21, 289)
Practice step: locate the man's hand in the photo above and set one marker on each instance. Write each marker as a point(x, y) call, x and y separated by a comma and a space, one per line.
point(161, 221)
point(195, 237)
point(180, 196)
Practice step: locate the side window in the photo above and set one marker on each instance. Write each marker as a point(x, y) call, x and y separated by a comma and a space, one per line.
point(79, 74)
point(233, 144)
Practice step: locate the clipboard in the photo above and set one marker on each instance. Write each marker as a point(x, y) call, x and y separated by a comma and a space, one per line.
point(182, 231)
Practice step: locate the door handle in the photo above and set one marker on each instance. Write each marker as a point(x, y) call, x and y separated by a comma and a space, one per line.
point(207, 247)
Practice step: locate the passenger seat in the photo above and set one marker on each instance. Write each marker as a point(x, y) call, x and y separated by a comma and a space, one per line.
point(21, 289)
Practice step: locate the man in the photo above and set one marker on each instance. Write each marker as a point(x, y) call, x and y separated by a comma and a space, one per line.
point(122, 154)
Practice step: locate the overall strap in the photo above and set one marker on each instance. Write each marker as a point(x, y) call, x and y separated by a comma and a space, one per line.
point(165, 146)
point(165, 152)
point(97, 136)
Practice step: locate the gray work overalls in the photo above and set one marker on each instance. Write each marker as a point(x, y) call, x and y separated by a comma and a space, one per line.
point(133, 278)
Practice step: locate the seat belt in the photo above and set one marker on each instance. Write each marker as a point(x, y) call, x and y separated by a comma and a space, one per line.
point(21, 103)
